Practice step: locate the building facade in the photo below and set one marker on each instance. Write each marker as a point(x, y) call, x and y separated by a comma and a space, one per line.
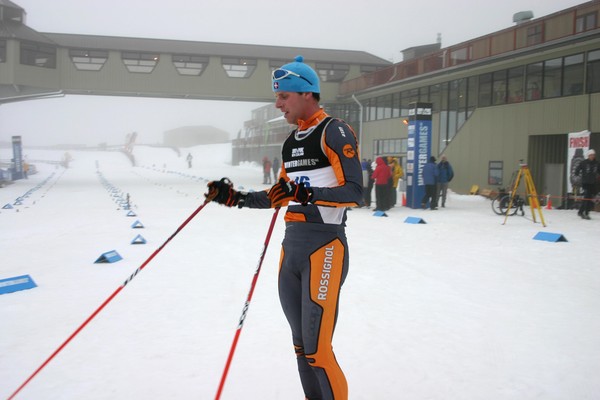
point(499, 100)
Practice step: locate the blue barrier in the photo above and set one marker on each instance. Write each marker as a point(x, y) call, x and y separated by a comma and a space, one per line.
point(16, 283)
point(379, 214)
point(414, 220)
point(108, 257)
point(550, 237)
point(137, 225)
point(138, 240)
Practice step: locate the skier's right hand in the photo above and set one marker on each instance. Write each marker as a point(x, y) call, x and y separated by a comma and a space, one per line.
point(222, 192)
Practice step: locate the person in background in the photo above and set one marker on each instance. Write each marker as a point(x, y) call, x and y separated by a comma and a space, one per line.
point(397, 173)
point(445, 175)
point(381, 177)
point(365, 178)
point(370, 182)
point(430, 177)
point(320, 178)
point(266, 163)
point(276, 169)
point(573, 177)
point(189, 159)
point(588, 171)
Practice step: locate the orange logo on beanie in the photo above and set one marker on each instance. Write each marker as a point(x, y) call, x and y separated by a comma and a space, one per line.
point(349, 151)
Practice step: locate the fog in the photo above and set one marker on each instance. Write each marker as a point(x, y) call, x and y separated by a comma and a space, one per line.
point(383, 28)
point(91, 120)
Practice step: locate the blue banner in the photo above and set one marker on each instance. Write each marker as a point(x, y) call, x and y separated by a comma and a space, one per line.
point(418, 151)
point(17, 170)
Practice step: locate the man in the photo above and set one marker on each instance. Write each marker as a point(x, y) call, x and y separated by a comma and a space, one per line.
point(320, 177)
point(588, 171)
point(430, 177)
point(266, 170)
point(445, 175)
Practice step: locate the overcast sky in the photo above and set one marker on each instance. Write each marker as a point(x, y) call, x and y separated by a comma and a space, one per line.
point(381, 27)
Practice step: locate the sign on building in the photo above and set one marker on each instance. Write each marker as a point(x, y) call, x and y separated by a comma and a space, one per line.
point(418, 151)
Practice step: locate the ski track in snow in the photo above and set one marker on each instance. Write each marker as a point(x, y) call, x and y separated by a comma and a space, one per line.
point(462, 307)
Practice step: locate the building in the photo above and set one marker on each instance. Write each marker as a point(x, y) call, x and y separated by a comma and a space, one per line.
point(498, 99)
point(508, 96)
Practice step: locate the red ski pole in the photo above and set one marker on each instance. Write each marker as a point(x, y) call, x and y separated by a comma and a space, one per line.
point(108, 300)
point(246, 306)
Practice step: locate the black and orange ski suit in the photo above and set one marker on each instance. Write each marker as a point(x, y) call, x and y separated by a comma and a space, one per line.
point(322, 154)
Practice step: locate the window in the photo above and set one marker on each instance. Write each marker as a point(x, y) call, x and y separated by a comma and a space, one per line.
point(396, 105)
point(586, 22)
point(460, 56)
point(471, 95)
point(461, 92)
point(535, 35)
point(573, 75)
point(38, 55)
point(515, 85)
point(404, 100)
point(189, 64)
point(485, 90)
point(88, 60)
point(332, 72)
point(552, 78)
point(424, 94)
point(384, 107)
point(495, 171)
point(499, 87)
point(593, 72)
point(434, 97)
point(389, 146)
point(534, 81)
point(453, 90)
point(444, 94)
point(239, 67)
point(2, 51)
point(140, 62)
point(370, 110)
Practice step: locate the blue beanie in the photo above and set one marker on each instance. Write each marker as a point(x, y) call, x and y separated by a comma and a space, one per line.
point(286, 79)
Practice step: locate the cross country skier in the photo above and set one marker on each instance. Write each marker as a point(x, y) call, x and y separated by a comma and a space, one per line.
point(320, 177)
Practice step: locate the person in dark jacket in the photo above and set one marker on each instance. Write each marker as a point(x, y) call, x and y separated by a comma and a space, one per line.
point(367, 171)
point(369, 190)
point(382, 176)
point(445, 176)
point(430, 178)
point(588, 171)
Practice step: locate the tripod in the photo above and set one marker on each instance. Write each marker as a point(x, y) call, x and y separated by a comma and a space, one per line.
point(534, 202)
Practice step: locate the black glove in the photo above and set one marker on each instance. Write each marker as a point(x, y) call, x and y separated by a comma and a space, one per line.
point(223, 192)
point(288, 191)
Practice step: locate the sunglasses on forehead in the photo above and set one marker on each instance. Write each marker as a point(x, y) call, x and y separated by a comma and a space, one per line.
point(279, 74)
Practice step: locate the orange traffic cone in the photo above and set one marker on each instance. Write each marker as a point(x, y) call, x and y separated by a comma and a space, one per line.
point(549, 203)
point(403, 200)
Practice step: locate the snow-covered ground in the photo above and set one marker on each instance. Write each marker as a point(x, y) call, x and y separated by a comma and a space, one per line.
point(461, 308)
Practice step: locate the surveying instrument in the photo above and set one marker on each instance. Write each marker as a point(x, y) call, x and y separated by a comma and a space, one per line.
point(531, 193)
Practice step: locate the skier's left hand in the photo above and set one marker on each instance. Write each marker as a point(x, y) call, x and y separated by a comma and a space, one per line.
point(222, 192)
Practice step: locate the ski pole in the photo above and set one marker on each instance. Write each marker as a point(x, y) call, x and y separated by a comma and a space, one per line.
point(246, 305)
point(108, 300)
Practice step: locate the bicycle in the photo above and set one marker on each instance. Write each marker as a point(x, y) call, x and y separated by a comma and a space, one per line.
point(501, 204)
